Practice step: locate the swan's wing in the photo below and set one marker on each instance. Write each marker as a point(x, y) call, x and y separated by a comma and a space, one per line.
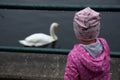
point(25, 43)
point(38, 39)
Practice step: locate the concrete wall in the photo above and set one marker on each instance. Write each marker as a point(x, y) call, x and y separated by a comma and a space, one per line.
point(35, 66)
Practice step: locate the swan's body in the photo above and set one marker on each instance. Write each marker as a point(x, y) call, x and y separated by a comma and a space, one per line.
point(40, 39)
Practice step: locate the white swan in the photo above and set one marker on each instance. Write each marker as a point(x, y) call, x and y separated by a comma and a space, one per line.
point(40, 39)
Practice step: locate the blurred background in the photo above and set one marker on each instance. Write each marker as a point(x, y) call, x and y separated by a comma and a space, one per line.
point(15, 25)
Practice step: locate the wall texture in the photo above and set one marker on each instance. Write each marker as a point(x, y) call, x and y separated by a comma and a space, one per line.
point(35, 66)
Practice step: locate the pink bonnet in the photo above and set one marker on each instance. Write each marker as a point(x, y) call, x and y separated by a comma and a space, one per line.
point(86, 24)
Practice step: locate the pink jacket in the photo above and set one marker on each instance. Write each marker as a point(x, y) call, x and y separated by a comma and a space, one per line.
point(81, 66)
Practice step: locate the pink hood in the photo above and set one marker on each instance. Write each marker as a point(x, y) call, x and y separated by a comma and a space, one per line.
point(86, 67)
point(98, 64)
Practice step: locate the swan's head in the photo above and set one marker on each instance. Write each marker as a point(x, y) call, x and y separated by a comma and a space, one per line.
point(54, 24)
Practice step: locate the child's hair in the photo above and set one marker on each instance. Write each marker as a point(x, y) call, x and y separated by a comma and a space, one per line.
point(86, 24)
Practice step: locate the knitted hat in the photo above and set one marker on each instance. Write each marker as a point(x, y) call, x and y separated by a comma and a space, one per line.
point(86, 24)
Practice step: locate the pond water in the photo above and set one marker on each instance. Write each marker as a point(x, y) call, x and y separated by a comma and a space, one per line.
point(18, 24)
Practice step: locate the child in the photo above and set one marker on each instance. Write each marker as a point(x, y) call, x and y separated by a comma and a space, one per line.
point(89, 60)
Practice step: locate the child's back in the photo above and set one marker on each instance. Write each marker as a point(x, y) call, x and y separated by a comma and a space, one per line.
point(89, 60)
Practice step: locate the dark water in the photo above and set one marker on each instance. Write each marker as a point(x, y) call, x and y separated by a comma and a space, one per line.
point(18, 24)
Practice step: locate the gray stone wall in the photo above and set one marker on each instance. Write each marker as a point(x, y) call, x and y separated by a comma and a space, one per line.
point(36, 66)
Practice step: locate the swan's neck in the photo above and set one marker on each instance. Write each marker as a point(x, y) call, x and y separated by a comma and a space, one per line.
point(52, 32)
